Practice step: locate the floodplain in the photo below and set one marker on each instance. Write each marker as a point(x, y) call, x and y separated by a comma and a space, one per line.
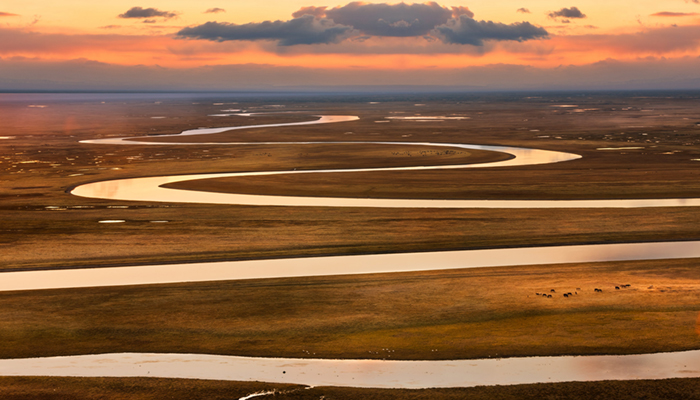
point(633, 146)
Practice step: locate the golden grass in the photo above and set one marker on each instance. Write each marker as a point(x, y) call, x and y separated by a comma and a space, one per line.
point(45, 388)
point(478, 313)
point(38, 237)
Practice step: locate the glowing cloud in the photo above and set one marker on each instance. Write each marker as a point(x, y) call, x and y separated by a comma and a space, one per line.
point(398, 20)
point(318, 12)
point(457, 11)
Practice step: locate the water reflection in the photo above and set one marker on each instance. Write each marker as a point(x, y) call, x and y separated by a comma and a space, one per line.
point(366, 373)
point(324, 119)
point(343, 265)
point(149, 189)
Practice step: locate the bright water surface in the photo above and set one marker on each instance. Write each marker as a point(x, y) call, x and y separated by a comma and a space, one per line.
point(366, 373)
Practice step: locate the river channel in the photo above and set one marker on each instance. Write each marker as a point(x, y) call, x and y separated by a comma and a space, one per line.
point(360, 373)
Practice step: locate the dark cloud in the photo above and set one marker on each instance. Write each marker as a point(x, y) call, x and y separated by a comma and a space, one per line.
point(523, 10)
point(569, 13)
point(457, 11)
point(139, 12)
point(303, 30)
point(318, 12)
point(465, 30)
point(397, 20)
point(672, 14)
point(149, 21)
point(110, 27)
point(214, 10)
point(6, 14)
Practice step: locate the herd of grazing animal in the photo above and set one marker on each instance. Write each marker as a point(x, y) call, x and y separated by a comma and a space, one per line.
point(569, 294)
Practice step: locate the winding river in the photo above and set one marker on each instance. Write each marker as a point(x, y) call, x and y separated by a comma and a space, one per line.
point(360, 373)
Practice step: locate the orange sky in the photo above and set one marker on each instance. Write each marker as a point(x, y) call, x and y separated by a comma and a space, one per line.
point(43, 31)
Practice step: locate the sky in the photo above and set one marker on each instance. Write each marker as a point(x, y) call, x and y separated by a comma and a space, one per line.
point(293, 44)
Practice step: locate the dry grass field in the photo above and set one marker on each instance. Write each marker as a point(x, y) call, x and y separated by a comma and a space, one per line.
point(650, 147)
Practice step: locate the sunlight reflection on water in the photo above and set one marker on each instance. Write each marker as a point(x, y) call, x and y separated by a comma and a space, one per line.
point(366, 373)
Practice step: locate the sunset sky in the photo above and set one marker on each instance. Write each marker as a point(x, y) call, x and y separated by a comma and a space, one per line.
point(253, 44)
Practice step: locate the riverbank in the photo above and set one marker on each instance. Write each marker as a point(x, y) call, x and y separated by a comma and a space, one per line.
point(181, 389)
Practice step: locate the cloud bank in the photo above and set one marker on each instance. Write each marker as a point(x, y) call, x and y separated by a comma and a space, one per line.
point(320, 25)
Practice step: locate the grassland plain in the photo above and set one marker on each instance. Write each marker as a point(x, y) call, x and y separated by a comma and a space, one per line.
point(464, 314)
point(469, 314)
